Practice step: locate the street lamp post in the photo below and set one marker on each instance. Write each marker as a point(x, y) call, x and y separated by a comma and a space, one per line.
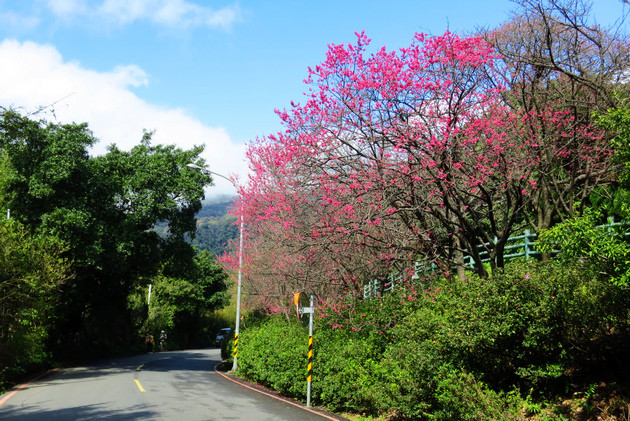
point(240, 268)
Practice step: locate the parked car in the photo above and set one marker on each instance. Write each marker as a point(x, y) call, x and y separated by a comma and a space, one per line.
point(223, 334)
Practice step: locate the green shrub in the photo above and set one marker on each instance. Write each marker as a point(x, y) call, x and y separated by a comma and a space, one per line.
point(408, 376)
point(459, 350)
point(345, 371)
point(275, 355)
point(460, 396)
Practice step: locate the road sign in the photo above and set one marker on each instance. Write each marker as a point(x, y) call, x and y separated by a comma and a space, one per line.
point(302, 307)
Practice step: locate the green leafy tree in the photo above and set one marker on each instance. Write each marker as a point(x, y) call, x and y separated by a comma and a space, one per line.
point(103, 208)
point(617, 120)
point(604, 249)
point(31, 273)
point(185, 292)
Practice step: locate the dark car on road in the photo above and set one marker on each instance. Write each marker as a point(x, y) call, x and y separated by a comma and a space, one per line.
point(223, 334)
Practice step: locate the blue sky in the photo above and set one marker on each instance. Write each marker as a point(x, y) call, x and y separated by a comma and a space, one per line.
point(199, 72)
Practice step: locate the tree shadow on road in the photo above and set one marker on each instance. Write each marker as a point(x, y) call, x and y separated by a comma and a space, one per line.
point(87, 412)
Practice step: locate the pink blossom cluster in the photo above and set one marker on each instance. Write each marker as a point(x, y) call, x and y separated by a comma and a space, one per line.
point(394, 157)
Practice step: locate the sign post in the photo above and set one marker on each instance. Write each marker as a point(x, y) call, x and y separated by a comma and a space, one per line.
point(300, 301)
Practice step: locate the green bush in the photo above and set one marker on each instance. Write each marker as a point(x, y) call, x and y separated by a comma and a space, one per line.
point(458, 350)
point(460, 396)
point(275, 355)
point(346, 371)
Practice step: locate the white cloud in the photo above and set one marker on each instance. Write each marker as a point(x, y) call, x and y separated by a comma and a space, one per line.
point(125, 11)
point(131, 75)
point(172, 13)
point(175, 14)
point(67, 9)
point(38, 76)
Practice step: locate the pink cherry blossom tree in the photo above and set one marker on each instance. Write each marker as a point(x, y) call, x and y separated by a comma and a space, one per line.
point(561, 67)
point(397, 157)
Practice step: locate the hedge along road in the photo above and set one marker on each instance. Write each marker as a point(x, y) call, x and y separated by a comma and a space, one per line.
point(161, 386)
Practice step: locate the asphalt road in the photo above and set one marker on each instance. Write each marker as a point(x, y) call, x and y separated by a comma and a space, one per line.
point(180, 385)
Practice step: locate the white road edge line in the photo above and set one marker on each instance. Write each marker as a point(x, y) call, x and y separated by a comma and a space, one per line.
point(273, 396)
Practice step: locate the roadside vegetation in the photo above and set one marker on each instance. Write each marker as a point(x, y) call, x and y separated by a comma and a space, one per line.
point(79, 252)
point(536, 341)
point(420, 164)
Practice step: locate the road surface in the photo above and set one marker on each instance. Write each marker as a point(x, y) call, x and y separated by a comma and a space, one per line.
point(181, 385)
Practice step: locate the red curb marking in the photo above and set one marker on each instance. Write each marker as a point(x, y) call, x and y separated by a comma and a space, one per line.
point(22, 386)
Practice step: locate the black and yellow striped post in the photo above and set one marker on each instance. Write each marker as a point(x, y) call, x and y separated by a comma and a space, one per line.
point(299, 298)
point(235, 346)
point(309, 370)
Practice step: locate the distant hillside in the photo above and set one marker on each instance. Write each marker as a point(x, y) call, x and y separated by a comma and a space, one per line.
point(215, 227)
point(215, 208)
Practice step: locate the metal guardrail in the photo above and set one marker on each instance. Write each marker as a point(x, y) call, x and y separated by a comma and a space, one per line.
point(525, 245)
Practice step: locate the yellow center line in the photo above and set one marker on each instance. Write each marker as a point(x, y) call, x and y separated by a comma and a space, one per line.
point(139, 385)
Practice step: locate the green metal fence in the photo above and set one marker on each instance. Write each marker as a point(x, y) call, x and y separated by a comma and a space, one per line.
point(517, 247)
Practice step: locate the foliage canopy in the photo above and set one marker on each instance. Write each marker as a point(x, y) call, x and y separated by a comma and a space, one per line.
point(101, 211)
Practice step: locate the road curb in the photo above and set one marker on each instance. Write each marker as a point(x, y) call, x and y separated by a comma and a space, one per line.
point(275, 395)
point(23, 385)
